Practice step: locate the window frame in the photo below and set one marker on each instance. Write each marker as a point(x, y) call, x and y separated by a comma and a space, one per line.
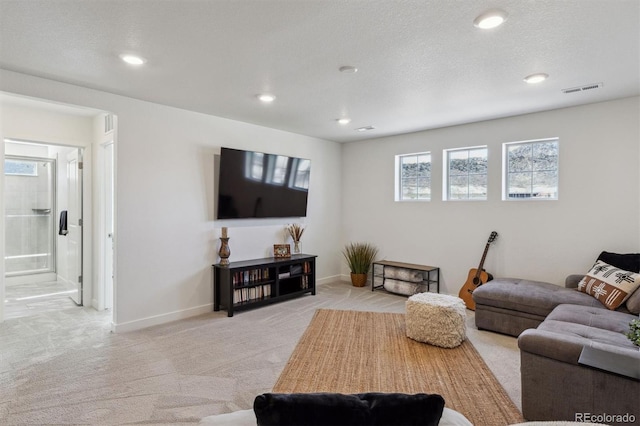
point(398, 196)
point(506, 173)
point(446, 178)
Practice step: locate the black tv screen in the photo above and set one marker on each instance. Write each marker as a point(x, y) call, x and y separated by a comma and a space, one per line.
point(258, 185)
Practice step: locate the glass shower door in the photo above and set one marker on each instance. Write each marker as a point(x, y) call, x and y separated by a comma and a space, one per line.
point(29, 215)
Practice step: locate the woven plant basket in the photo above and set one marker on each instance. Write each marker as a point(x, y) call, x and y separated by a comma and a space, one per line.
point(358, 280)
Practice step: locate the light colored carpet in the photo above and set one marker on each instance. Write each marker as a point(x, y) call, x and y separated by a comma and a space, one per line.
point(66, 367)
point(356, 352)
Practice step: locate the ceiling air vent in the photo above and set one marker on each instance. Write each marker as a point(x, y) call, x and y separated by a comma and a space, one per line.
point(583, 88)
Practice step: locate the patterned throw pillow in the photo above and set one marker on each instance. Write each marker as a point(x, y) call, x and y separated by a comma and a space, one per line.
point(610, 285)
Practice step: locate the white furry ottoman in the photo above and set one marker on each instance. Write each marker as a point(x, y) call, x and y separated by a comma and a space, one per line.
point(437, 319)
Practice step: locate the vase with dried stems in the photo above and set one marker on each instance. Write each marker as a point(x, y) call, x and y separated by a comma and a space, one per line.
point(296, 232)
point(359, 257)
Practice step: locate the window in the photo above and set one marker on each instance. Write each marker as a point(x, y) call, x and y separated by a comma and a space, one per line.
point(465, 174)
point(20, 168)
point(530, 170)
point(413, 177)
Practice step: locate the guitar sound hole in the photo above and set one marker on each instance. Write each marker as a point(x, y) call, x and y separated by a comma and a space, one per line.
point(476, 281)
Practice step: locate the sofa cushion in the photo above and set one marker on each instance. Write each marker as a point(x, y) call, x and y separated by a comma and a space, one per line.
point(633, 302)
point(617, 322)
point(610, 285)
point(248, 418)
point(527, 296)
point(339, 409)
point(569, 328)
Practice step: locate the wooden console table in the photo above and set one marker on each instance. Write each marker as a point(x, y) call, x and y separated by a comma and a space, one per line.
point(431, 274)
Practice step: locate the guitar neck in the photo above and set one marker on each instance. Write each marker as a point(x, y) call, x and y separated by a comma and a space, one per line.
point(484, 256)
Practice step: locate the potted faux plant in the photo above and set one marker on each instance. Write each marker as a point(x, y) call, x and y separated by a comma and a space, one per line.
point(296, 232)
point(634, 332)
point(359, 257)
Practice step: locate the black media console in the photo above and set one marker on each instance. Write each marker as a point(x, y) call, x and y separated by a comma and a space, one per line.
point(258, 282)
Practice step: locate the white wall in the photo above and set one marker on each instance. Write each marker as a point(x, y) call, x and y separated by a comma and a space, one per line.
point(32, 124)
point(166, 235)
point(598, 207)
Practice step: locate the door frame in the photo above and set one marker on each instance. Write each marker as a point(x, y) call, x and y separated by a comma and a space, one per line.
point(108, 136)
point(105, 256)
point(87, 246)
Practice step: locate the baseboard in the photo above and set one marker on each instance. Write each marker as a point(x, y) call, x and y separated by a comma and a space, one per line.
point(344, 277)
point(191, 312)
point(330, 279)
point(161, 319)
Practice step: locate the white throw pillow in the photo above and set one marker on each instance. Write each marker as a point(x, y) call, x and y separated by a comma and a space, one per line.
point(237, 418)
point(610, 285)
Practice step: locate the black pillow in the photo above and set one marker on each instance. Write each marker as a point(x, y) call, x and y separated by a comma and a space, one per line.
point(628, 262)
point(313, 409)
point(334, 409)
point(397, 409)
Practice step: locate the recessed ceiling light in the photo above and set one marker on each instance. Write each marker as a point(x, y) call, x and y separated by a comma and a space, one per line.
point(490, 19)
point(132, 59)
point(348, 69)
point(536, 78)
point(266, 98)
point(365, 128)
point(343, 120)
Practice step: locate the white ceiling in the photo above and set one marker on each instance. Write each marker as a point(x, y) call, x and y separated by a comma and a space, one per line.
point(421, 64)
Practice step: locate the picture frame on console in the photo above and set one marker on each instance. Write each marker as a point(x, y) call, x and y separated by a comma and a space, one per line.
point(281, 250)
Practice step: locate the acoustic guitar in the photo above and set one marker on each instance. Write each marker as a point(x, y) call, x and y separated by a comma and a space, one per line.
point(476, 277)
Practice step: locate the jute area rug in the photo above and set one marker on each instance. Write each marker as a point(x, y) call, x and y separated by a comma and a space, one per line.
point(355, 352)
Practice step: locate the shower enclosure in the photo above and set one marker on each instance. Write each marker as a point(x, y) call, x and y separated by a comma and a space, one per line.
point(29, 215)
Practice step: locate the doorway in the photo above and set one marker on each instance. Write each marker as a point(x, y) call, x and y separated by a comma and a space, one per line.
point(51, 130)
point(43, 222)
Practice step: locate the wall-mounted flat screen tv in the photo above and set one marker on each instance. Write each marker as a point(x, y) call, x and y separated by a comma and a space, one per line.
point(259, 185)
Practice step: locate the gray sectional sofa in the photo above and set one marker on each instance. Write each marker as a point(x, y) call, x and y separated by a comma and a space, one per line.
point(512, 305)
point(576, 361)
point(558, 383)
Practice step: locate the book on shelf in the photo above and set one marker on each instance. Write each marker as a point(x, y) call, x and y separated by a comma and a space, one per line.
point(247, 294)
point(250, 276)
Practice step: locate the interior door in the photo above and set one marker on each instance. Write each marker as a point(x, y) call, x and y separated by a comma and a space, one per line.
point(74, 222)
